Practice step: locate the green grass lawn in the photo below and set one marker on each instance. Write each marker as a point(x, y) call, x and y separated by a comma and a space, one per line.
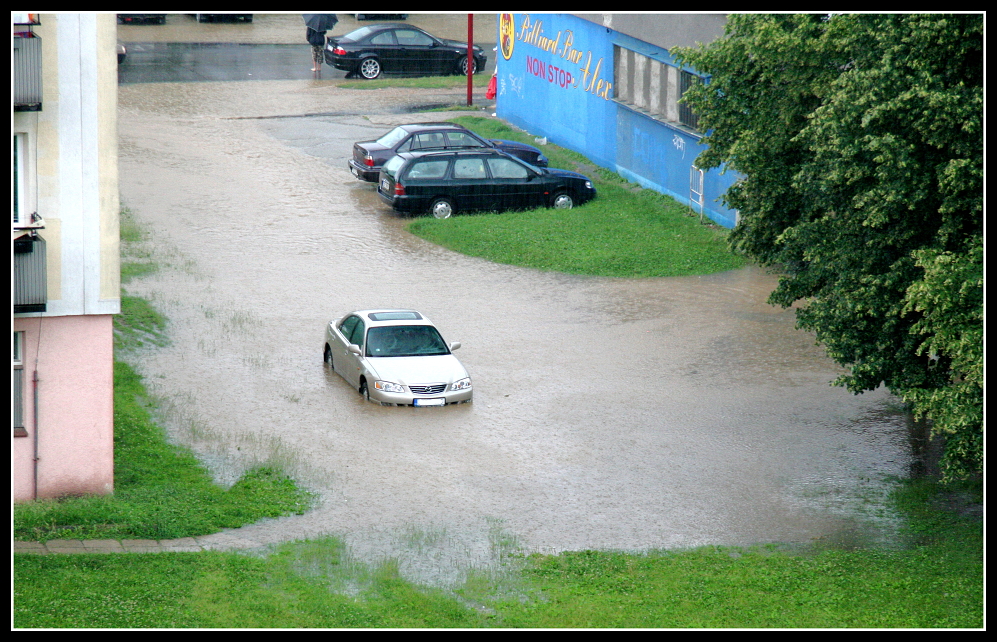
point(625, 232)
point(935, 582)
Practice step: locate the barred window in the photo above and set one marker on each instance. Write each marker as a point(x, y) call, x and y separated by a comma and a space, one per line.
point(686, 115)
point(652, 87)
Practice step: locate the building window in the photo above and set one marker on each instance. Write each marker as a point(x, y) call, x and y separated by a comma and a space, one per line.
point(652, 87)
point(18, 175)
point(17, 380)
point(686, 117)
point(23, 201)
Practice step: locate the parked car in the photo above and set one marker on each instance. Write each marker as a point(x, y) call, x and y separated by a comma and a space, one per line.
point(443, 183)
point(381, 16)
point(370, 155)
point(214, 17)
point(396, 357)
point(399, 49)
point(128, 18)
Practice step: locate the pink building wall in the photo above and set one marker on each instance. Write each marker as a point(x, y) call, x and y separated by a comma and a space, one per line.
point(75, 423)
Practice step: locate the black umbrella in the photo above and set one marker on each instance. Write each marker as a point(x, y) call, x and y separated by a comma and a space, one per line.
point(320, 21)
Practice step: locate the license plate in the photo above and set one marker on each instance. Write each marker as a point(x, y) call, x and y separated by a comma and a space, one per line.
point(430, 402)
point(384, 185)
point(355, 172)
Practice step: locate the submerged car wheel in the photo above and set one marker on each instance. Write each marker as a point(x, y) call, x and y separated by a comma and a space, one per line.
point(327, 357)
point(562, 201)
point(442, 208)
point(364, 392)
point(370, 68)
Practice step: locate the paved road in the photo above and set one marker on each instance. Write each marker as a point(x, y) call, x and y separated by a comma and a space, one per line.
point(272, 47)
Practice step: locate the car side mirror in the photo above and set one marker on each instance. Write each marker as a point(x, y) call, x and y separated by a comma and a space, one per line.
point(355, 349)
point(454, 345)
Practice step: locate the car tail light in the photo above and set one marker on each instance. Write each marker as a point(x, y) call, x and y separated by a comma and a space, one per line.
point(368, 161)
point(339, 51)
point(399, 189)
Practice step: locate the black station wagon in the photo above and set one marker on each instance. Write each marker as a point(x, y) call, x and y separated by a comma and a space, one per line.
point(443, 183)
point(370, 155)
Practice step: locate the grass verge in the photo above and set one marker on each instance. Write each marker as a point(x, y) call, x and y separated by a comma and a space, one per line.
point(936, 582)
point(625, 232)
point(423, 82)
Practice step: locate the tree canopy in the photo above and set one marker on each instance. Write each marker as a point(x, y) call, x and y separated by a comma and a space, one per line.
point(859, 138)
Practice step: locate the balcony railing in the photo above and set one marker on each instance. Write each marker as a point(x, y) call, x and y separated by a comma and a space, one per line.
point(27, 66)
point(30, 279)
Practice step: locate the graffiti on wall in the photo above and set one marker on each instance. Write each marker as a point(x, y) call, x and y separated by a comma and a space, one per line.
point(570, 68)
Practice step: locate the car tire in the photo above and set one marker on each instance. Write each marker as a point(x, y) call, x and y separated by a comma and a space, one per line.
point(462, 66)
point(364, 392)
point(370, 68)
point(442, 208)
point(562, 201)
point(327, 357)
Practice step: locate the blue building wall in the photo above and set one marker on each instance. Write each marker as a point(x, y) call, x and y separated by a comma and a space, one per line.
point(555, 79)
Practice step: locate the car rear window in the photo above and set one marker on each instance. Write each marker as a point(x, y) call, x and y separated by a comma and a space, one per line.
point(391, 166)
point(401, 315)
point(358, 34)
point(391, 139)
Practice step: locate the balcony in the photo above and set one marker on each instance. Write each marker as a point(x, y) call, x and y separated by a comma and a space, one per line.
point(30, 282)
point(27, 67)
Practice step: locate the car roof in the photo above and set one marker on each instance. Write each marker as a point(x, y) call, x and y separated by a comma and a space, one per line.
point(391, 316)
point(384, 26)
point(474, 151)
point(415, 127)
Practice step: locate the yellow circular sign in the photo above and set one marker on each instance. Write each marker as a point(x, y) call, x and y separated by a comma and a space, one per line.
point(507, 35)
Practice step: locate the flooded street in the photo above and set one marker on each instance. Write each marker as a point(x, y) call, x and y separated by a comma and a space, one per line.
point(607, 413)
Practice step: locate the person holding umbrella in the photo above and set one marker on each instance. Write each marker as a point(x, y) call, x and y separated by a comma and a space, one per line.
point(317, 24)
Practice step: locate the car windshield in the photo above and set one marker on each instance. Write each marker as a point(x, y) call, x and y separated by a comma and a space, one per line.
point(393, 137)
point(405, 341)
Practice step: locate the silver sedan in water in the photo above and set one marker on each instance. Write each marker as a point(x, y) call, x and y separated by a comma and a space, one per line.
point(396, 357)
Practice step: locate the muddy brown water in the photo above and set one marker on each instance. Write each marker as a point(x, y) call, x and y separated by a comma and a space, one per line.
point(608, 413)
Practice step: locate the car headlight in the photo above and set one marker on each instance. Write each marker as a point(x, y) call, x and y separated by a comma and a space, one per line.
point(588, 184)
point(387, 386)
point(463, 384)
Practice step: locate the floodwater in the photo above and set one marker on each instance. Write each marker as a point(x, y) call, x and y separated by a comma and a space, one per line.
point(608, 413)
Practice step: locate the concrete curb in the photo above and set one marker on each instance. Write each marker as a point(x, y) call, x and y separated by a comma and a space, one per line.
point(214, 542)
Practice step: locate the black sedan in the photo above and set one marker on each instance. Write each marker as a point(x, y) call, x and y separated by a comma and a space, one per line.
point(443, 183)
point(369, 156)
point(399, 49)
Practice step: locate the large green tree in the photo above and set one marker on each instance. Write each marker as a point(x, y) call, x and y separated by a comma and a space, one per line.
point(860, 141)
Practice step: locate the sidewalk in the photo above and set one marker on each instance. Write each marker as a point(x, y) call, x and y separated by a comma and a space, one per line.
point(213, 542)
